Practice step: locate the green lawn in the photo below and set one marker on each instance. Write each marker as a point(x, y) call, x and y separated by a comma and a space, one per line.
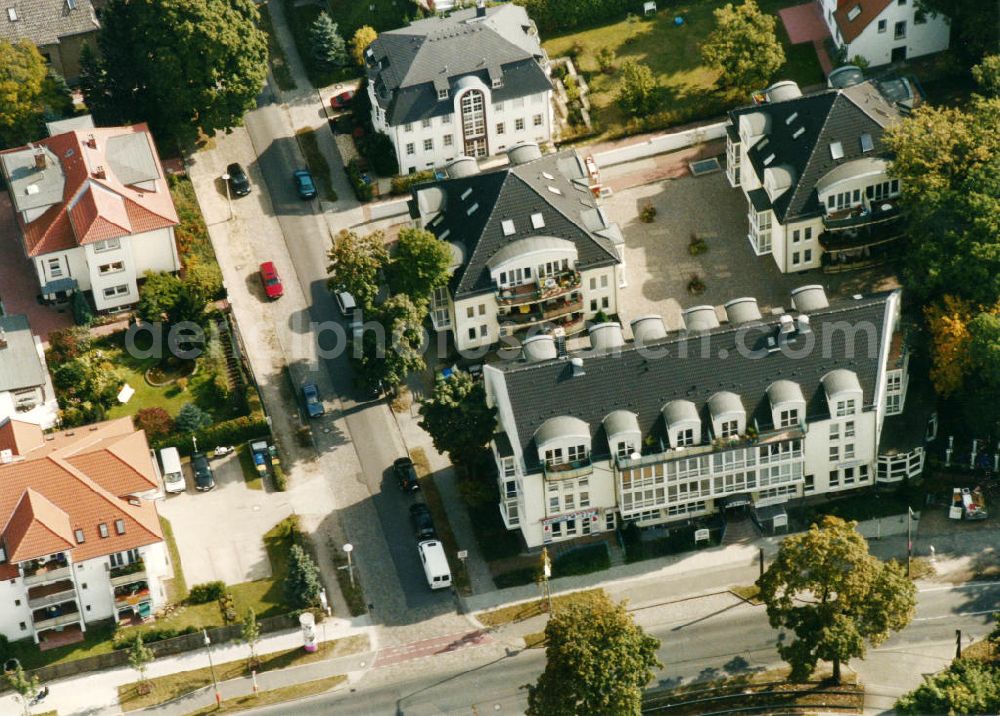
point(177, 587)
point(97, 640)
point(673, 53)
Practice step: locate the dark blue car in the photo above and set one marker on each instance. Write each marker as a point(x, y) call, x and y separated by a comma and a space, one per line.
point(314, 406)
point(304, 184)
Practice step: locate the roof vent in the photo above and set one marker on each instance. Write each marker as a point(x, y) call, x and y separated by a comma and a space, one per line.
point(772, 345)
point(539, 348)
point(31, 189)
point(786, 324)
point(92, 142)
point(100, 173)
point(606, 336)
point(647, 329)
point(40, 161)
point(577, 364)
point(803, 324)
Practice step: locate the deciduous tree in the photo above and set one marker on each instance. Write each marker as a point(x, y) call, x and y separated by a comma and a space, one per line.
point(23, 76)
point(457, 417)
point(363, 36)
point(597, 662)
point(987, 75)
point(355, 263)
point(328, 47)
point(743, 47)
point(973, 25)
point(155, 421)
point(637, 88)
point(185, 66)
point(390, 358)
point(965, 687)
point(302, 584)
point(833, 596)
point(948, 321)
point(420, 264)
point(24, 686)
point(140, 657)
point(250, 635)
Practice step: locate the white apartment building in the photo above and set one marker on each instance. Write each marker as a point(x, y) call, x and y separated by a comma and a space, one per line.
point(748, 411)
point(815, 174)
point(26, 391)
point(884, 31)
point(94, 211)
point(534, 251)
point(471, 83)
point(80, 539)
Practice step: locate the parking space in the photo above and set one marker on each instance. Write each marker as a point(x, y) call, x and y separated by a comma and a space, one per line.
point(219, 533)
point(660, 266)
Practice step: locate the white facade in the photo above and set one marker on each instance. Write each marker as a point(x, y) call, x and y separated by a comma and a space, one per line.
point(489, 127)
point(79, 593)
point(899, 32)
point(110, 269)
point(33, 404)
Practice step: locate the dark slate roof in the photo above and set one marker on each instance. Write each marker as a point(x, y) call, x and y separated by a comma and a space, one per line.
point(407, 64)
point(901, 433)
point(515, 193)
point(45, 21)
point(636, 380)
point(837, 115)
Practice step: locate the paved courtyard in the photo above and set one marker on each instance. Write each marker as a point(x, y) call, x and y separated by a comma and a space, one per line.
point(659, 266)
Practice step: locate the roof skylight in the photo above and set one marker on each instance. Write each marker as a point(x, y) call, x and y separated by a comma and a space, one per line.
point(508, 227)
point(853, 12)
point(798, 132)
point(555, 190)
point(791, 117)
point(866, 142)
point(768, 159)
point(548, 176)
point(836, 150)
point(537, 221)
point(472, 209)
point(465, 194)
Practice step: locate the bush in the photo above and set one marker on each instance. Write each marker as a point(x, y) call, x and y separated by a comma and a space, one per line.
point(191, 418)
point(582, 560)
point(697, 246)
point(516, 577)
point(403, 183)
point(67, 344)
point(362, 190)
point(125, 639)
point(83, 315)
point(647, 214)
point(155, 421)
point(378, 149)
point(696, 285)
point(206, 592)
point(227, 607)
point(563, 15)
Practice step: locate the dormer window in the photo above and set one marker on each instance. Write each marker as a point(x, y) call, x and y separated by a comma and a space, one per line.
point(442, 94)
point(788, 418)
point(497, 82)
point(102, 529)
point(853, 13)
point(684, 437)
point(730, 428)
point(80, 539)
point(846, 407)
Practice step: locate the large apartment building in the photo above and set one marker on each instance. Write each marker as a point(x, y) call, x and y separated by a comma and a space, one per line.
point(533, 249)
point(94, 211)
point(80, 539)
point(884, 31)
point(737, 409)
point(471, 83)
point(815, 175)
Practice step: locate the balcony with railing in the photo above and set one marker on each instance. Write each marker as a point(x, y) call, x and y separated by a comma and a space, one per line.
point(568, 470)
point(859, 247)
point(652, 455)
point(870, 211)
point(541, 289)
point(56, 615)
point(128, 573)
point(37, 572)
point(131, 595)
point(49, 594)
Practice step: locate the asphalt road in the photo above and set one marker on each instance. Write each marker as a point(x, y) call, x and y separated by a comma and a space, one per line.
point(728, 640)
point(370, 425)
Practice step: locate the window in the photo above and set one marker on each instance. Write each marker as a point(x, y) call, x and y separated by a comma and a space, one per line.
point(554, 504)
point(473, 107)
point(795, 236)
point(848, 475)
point(685, 437)
point(407, 127)
point(519, 124)
point(849, 429)
point(577, 452)
point(834, 478)
point(498, 106)
point(536, 121)
point(120, 527)
point(554, 456)
point(55, 268)
point(113, 267)
point(497, 82)
point(23, 625)
point(882, 25)
point(484, 331)
point(593, 283)
point(834, 431)
point(482, 309)
point(116, 291)
point(593, 305)
point(809, 233)
point(834, 453)
point(569, 502)
point(604, 281)
point(80, 539)
point(789, 418)
point(849, 451)
point(605, 302)
point(845, 407)
point(899, 30)
point(107, 245)
point(448, 140)
point(442, 94)
point(584, 499)
point(425, 123)
point(862, 473)
point(796, 259)
point(102, 529)
point(428, 145)
point(470, 312)
point(500, 127)
point(410, 149)
point(810, 483)
point(446, 119)
point(472, 334)
point(807, 255)
point(730, 428)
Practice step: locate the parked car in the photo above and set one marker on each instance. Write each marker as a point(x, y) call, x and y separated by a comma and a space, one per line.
point(350, 310)
point(204, 478)
point(239, 182)
point(304, 184)
point(342, 100)
point(406, 476)
point(271, 281)
point(314, 406)
point(259, 452)
point(173, 476)
point(423, 523)
point(435, 563)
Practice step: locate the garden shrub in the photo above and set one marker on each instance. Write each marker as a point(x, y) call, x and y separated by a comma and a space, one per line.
point(403, 183)
point(83, 314)
point(126, 638)
point(563, 15)
point(362, 190)
point(155, 421)
point(647, 214)
point(206, 592)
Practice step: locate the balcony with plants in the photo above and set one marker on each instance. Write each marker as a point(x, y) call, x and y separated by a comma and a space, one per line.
point(870, 211)
point(56, 615)
point(128, 573)
point(38, 571)
point(131, 595)
point(541, 289)
point(568, 470)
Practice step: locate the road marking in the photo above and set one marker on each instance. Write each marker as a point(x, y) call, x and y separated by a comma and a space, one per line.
point(957, 614)
point(967, 585)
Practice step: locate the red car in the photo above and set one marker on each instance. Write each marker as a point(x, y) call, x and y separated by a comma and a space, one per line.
point(342, 100)
point(269, 277)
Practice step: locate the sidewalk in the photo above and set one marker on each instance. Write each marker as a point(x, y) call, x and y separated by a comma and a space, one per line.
point(97, 692)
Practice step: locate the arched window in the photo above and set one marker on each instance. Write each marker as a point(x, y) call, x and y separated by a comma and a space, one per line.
point(474, 123)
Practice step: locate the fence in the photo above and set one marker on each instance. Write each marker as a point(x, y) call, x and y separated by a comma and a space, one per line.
point(661, 144)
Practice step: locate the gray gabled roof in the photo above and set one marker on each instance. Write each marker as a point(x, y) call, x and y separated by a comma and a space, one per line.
point(131, 158)
point(45, 21)
point(31, 188)
point(409, 65)
point(836, 115)
point(20, 366)
point(644, 381)
point(475, 207)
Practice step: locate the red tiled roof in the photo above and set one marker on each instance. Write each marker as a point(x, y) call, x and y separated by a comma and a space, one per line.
point(19, 437)
point(84, 473)
point(86, 214)
point(870, 9)
point(36, 528)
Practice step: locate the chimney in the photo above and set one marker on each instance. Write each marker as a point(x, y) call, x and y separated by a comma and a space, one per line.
point(91, 142)
point(786, 323)
point(480, 8)
point(803, 324)
point(40, 161)
point(100, 173)
point(559, 334)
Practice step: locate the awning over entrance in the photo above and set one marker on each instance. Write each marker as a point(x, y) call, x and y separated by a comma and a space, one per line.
point(740, 500)
point(59, 284)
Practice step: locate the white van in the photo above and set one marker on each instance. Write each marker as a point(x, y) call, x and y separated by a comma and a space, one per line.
point(173, 478)
point(435, 564)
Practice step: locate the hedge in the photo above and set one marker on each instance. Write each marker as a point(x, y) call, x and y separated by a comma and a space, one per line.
point(403, 183)
point(559, 16)
point(362, 189)
point(206, 592)
point(125, 639)
point(228, 432)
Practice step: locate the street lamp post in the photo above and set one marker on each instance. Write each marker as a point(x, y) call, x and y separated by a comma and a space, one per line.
point(229, 196)
point(211, 667)
point(348, 548)
point(546, 575)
